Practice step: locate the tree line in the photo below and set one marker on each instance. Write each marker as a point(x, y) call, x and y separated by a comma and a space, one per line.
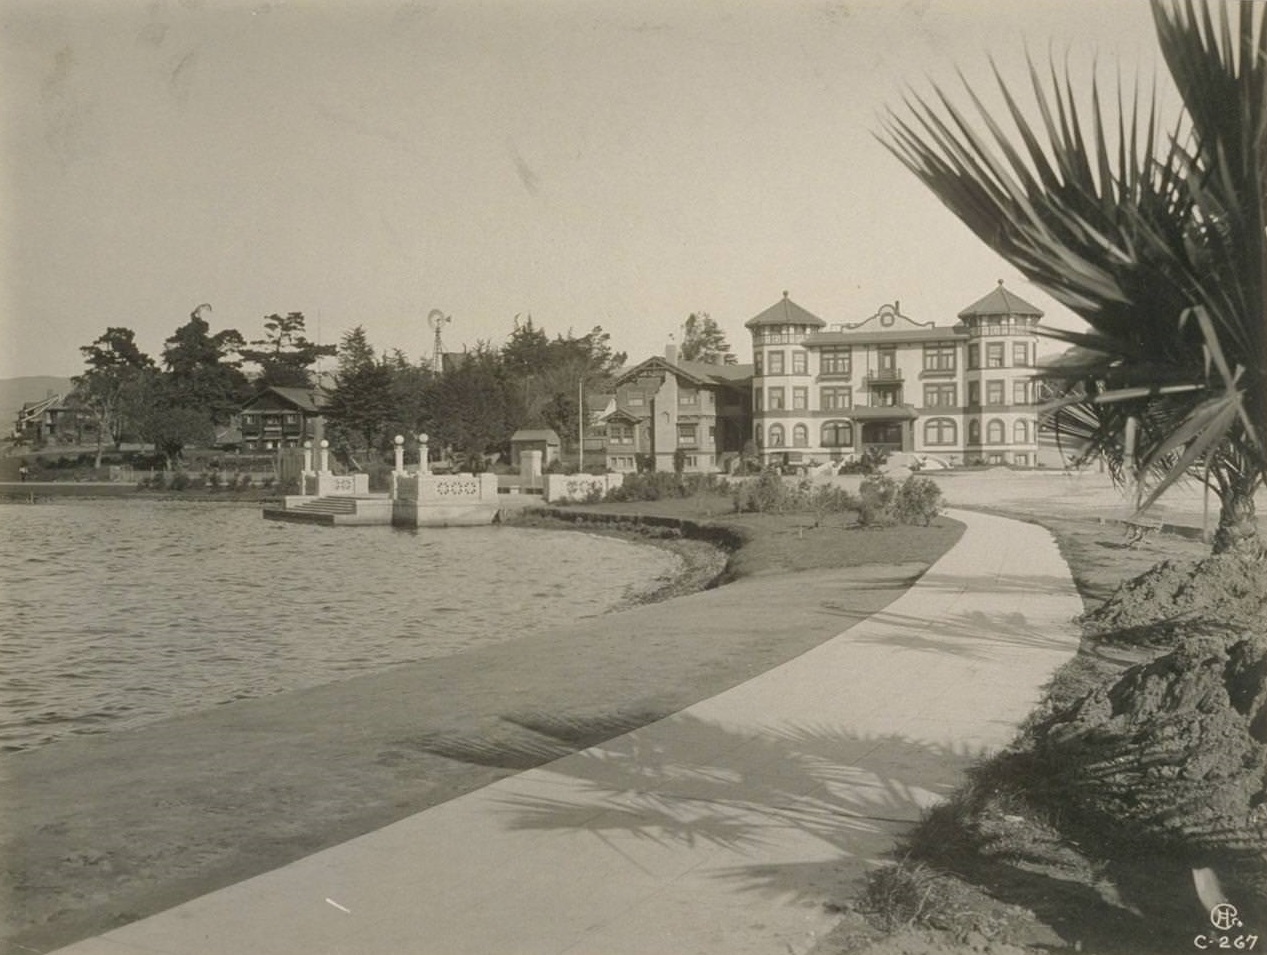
point(470, 406)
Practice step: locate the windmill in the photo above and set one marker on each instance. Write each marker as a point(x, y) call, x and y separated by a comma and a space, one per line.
point(437, 320)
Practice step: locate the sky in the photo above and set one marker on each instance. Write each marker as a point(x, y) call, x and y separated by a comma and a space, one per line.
point(586, 163)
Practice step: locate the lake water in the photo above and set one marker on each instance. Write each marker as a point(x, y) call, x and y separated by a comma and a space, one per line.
point(118, 613)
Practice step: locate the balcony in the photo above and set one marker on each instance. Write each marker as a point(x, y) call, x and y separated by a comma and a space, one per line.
point(883, 376)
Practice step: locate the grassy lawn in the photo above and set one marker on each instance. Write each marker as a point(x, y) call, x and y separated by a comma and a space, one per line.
point(792, 542)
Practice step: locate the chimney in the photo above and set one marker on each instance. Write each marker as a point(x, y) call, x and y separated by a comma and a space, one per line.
point(670, 353)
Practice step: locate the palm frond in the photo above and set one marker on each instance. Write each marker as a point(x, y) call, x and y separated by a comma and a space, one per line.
point(1156, 241)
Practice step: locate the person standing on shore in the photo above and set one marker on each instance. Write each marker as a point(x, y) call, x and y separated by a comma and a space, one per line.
point(22, 473)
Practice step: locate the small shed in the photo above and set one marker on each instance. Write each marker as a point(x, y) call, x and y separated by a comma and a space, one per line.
point(544, 440)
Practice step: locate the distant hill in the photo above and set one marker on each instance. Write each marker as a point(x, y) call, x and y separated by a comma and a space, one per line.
point(14, 392)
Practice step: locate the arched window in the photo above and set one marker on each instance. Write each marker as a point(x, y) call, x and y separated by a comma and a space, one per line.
point(940, 431)
point(995, 432)
point(838, 434)
point(776, 435)
point(759, 436)
point(800, 436)
point(1020, 432)
point(974, 431)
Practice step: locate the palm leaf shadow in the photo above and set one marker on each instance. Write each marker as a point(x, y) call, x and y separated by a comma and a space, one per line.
point(689, 781)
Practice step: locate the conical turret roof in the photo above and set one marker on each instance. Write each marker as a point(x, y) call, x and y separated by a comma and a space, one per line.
point(785, 312)
point(1000, 302)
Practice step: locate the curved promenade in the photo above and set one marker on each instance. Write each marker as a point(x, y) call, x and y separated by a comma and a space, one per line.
point(721, 830)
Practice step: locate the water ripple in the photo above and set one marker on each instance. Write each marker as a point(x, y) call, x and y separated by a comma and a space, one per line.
point(118, 613)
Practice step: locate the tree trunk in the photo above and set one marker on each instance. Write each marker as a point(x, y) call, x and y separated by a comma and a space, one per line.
point(1238, 522)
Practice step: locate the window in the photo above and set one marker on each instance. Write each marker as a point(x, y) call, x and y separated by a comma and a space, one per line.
point(940, 431)
point(995, 433)
point(756, 399)
point(886, 397)
point(248, 419)
point(800, 398)
point(974, 393)
point(619, 433)
point(757, 434)
point(687, 397)
point(994, 355)
point(939, 357)
point(939, 396)
point(1020, 354)
point(974, 356)
point(758, 363)
point(776, 399)
point(774, 363)
point(994, 392)
point(290, 417)
point(712, 433)
point(800, 436)
point(838, 434)
point(776, 435)
point(886, 358)
point(1021, 459)
point(800, 362)
point(1020, 432)
point(835, 360)
point(1019, 392)
point(636, 399)
point(836, 399)
point(974, 432)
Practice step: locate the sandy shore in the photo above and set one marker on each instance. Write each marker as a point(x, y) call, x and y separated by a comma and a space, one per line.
point(101, 831)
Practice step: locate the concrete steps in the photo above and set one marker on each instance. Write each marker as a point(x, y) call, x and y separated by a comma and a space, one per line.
point(324, 510)
point(327, 505)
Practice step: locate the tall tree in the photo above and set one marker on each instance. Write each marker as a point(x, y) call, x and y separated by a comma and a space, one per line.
point(1156, 242)
point(703, 340)
point(360, 406)
point(159, 411)
point(107, 387)
point(205, 369)
point(412, 396)
point(284, 355)
point(472, 405)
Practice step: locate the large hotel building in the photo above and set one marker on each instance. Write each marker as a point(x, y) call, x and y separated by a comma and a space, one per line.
point(961, 393)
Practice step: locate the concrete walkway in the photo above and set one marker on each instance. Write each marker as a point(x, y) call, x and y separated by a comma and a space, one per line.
point(723, 829)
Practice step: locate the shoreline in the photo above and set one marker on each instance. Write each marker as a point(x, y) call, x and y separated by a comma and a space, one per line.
point(100, 831)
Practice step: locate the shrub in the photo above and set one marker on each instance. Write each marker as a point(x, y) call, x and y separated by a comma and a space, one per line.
point(268, 482)
point(766, 494)
point(244, 483)
point(829, 499)
point(180, 481)
point(875, 500)
point(883, 501)
point(213, 481)
point(918, 501)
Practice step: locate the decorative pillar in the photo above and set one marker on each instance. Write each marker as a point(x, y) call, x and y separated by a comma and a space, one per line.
point(307, 457)
point(423, 467)
point(399, 441)
point(323, 457)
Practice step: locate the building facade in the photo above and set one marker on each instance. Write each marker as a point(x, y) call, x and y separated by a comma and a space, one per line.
point(961, 393)
point(664, 406)
point(281, 418)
